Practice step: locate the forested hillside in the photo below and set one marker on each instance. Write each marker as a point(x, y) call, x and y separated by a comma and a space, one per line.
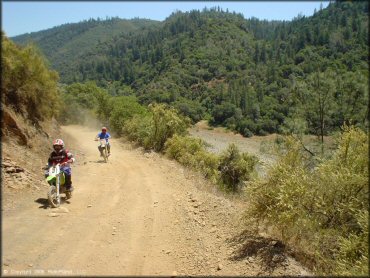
point(63, 44)
point(309, 75)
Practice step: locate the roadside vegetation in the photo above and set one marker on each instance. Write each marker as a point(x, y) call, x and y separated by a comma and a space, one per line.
point(28, 86)
point(320, 209)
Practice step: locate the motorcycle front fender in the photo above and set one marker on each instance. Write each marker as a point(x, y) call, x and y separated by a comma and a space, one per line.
point(51, 180)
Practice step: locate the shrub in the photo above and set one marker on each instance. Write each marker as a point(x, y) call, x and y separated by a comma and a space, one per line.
point(345, 202)
point(246, 127)
point(191, 152)
point(83, 93)
point(207, 163)
point(320, 211)
point(154, 128)
point(179, 146)
point(82, 101)
point(235, 167)
point(222, 112)
point(27, 84)
point(166, 123)
point(138, 129)
point(247, 133)
point(191, 109)
point(123, 109)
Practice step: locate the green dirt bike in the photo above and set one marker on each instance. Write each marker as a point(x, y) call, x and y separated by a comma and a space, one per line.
point(56, 180)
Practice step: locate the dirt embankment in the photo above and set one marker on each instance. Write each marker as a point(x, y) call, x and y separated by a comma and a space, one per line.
point(138, 214)
point(25, 148)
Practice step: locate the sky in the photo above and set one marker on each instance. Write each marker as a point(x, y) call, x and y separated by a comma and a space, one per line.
point(20, 17)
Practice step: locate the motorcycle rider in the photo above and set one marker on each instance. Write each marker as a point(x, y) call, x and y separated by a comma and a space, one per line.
point(104, 135)
point(64, 158)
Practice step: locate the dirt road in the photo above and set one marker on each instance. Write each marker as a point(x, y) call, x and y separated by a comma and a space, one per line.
point(138, 214)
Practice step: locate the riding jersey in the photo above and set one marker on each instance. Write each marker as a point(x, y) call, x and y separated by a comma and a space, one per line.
point(105, 136)
point(62, 157)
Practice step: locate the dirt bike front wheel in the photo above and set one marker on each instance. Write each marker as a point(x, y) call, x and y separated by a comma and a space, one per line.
point(105, 155)
point(52, 197)
point(68, 195)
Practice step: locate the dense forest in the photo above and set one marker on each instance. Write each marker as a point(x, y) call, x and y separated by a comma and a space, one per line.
point(309, 75)
point(63, 44)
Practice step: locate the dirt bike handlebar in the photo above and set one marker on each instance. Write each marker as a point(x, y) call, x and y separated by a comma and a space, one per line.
point(55, 164)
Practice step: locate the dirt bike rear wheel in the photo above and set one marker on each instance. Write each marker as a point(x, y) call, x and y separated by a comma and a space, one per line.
point(52, 197)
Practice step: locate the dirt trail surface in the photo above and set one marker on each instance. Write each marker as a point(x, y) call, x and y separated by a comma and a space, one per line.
point(138, 214)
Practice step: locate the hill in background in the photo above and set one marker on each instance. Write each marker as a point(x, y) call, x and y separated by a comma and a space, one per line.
point(63, 44)
point(252, 76)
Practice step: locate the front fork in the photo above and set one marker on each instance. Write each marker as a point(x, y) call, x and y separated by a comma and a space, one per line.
point(57, 185)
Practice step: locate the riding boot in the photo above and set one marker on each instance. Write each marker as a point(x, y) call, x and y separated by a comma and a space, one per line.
point(68, 183)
